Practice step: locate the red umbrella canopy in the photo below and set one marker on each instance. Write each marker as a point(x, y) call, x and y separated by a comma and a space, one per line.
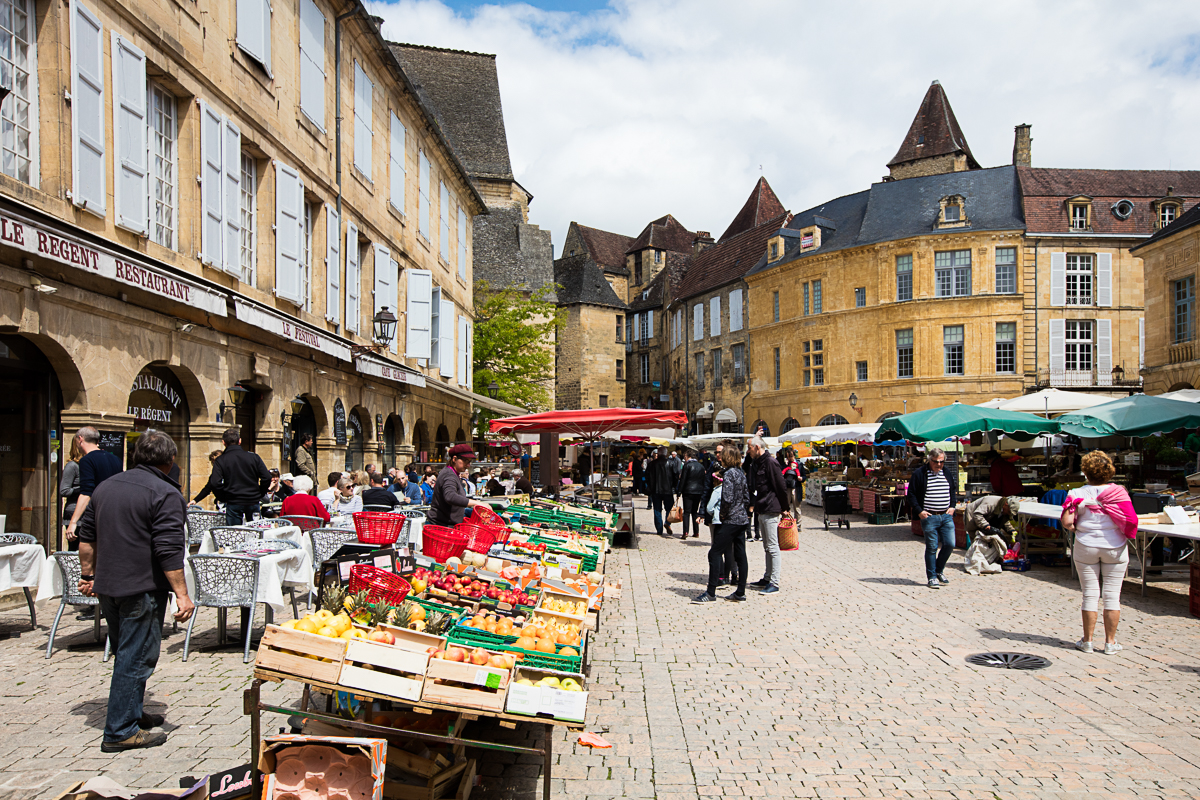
point(589, 423)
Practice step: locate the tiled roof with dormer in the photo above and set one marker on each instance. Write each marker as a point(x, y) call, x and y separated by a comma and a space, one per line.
point(1189, 219)
point(934, 132)
point(1045, 191)
point(664, 233)
point(650, 295)
point(729, 259)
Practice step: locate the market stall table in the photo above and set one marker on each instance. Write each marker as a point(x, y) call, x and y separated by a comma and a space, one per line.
point(1029, 508)
point(21, 567)
point(1141, 545)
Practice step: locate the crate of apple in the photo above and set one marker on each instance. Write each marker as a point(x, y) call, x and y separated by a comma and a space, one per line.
point(509, 596)
point(477, 656)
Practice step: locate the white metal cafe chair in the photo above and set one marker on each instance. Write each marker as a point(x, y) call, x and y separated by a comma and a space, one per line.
point(223, 582)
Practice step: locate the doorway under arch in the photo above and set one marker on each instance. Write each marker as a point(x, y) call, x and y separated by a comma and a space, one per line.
point(442, 442)
point(833, 419)
point(421, 441)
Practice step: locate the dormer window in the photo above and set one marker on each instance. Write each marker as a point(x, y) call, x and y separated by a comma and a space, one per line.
point(774, 251)
point(1166, 209)
point(1079, 218)
point(1079, 213)
point(810, 238)
point(952, 212)
point(1166, 214)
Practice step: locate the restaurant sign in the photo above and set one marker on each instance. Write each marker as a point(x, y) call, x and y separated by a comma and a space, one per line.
point(61, 249)
point(288, 328)
point(392, 372)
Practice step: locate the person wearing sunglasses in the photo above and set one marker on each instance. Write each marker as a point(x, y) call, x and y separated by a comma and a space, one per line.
point(932, 495)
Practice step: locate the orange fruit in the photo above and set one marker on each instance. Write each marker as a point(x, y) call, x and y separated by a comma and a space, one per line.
point(545, 646)
point(569, 651)
point(417, 613)
point(525, 643)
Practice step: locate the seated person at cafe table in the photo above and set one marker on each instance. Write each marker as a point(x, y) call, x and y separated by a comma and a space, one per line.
point(302, 503)
point(377, 495)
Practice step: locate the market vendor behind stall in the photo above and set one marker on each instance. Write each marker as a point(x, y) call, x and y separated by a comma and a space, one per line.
point(449, 503)
point(1003, 475)
point(993, 515)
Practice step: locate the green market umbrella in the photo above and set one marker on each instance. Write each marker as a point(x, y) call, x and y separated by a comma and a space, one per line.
point(1136, 415)
point(959, 420)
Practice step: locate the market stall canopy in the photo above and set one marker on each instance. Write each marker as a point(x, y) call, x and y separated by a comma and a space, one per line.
point(1136, 415)
point(1186, 395)
point(1055, 400)
point(995, 402)
point(704, 412)
point(837, 434)
point(595, 423)
point(726, 415)
point(958, 420)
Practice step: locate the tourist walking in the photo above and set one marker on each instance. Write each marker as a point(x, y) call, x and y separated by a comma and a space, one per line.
point(661, 488)
point(133, 538)
point(692, 484)
point(932, 494)
point(731, 521)
point(1103, 518)
point(241, 478)
point(769, 495)
point(95, 467)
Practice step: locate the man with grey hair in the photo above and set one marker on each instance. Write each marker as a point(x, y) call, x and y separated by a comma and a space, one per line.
point(95, 467)
point(522, 485)
point(931, 496)
point(769, 494)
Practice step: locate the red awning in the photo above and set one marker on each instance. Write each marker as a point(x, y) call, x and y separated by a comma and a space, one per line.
point(590, 423)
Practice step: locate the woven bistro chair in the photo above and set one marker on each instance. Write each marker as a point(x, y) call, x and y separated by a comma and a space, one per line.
point(200, 522)
point(69, 570)
point(278, 522)
point(381, 509)
point(232, 537)
point(223, 582)
point(325, 542)
point(23, 538)
point(304, 523)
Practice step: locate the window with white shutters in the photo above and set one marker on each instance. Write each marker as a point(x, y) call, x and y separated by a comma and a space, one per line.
point(462, 351)
point(446, 332)
point(247, 216)
point(254, 30)
point(444, 228)
point(231, 158)
point(333, 265)
point(18, 148)
point(1078, 280)
point(735, 310)
point(163, 182)
point(435, 327)
point(1104, 362)
point(312, 63)
point(353, 278)
point(130, 126)
point(289, 234)
point(462, 243)
point(423, 202)
point(697, 322)
point(418, 315)
point(1077, 345)
point(89, 189)
point(714, 316)
point(364, 92)
point(396, 163)
point(384, 291)
point(212, 186)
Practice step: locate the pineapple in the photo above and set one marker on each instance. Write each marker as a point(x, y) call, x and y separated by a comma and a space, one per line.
point(438, 622)
point(336, 600)
point(360, 608)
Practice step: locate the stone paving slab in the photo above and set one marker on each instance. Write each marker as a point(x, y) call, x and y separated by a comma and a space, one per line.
point(851, 682)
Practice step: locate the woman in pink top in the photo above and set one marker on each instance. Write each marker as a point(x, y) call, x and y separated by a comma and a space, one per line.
point(1102, 517)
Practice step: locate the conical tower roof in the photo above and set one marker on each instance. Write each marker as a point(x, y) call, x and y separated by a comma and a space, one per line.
point(761, 206)
point(934, 132)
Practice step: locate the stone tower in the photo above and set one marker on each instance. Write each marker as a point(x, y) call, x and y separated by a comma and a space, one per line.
point(934, 144)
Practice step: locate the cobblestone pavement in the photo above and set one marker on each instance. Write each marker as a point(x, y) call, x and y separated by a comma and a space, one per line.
point(851, 682)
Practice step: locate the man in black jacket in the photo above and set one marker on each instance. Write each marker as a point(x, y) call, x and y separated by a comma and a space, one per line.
point(241, 477)
point(932, 495)
point(132, 541)
point(377, 495)
point(691, 484)
point(769, 493)
point(661, 487)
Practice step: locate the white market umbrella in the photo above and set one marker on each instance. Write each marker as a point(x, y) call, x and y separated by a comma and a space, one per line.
point(864, 432)
point(1186, 395)
point(1054, 401)
point(995, 402)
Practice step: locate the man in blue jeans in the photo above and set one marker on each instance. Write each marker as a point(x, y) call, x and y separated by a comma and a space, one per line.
point(932, 496)
point(132, 540)
point(660, 485)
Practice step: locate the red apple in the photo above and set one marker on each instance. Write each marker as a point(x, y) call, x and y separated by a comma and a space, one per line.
point(456, 654)
point(479, 656)
point(381, 636)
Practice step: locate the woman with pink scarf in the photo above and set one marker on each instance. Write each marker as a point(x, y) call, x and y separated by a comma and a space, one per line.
point(1103, 519)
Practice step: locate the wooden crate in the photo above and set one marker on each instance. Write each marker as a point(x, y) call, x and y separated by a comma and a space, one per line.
point(455, 782)
point(571, 598)
point(584, 623)
point(394, 671)
point(476, 695)
point(304, 655)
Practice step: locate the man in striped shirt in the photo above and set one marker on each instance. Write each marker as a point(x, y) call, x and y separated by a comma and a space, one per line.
point(932, 496)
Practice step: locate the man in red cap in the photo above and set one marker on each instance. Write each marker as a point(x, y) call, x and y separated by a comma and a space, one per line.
point(449, 503)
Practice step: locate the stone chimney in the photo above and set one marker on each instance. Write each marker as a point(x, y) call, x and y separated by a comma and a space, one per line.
point(1023, 146)
point(702, 242)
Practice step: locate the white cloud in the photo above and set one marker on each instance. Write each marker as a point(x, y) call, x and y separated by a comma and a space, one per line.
point(646, 108)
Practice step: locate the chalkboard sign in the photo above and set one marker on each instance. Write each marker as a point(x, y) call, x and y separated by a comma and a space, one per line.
point(339, 422)
point(535, 473)
point(113, 442)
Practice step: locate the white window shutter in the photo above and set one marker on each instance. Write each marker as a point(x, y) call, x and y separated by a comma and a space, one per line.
point(312, 62)
point(89, 190)
point(289, 233)
point(1104, 360)
point(333, 265)
point(697, 322)
point(735, 310)
point(385, 282)
point(470, 355)
point(254, 30)
point(423, 211)
point(353, 279)
point(396, 163)
point(435, 313)
point(212, 186)
point(650, 323)
point(444, 228)
point(231, 156)
point(462, 350)
point(714, 314)
point(1058, 340)
point(394, 274)
point(1104, 288)
point(417, 343)
point(130, 187)
point(1141, 343)
point(634, 327)
point(446, 333)
point(1058, 279)
point(363, 97)
point(265, 10)
point(462, 243)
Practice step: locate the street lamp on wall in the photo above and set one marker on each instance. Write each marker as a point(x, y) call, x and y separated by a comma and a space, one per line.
point(854, 403)
point(237, 396)
point(493, 390)
point(383, 330)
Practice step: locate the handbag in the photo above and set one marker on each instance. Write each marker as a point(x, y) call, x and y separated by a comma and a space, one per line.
point(789, 536)
point(675, 515)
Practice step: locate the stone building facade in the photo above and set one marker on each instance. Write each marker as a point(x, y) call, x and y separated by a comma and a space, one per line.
point(590, 353)
point(1171, 264)
point(134, 295)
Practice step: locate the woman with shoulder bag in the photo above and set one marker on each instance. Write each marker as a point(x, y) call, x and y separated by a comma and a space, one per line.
point(729, 536)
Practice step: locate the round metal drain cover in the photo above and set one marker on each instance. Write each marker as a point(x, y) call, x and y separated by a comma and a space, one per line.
point(1008, 661)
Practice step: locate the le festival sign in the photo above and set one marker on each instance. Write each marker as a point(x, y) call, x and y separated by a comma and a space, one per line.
point(64, 250)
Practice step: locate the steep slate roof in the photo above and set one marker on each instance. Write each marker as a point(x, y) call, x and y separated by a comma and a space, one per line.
point(582, 281)
point(664, 233)
point(1188, 219)
point(1046, 190)
point(934, 132)
point(761, 205)
point(608, 249)
point(653, 292)
point(463, 91)
point(900, 209)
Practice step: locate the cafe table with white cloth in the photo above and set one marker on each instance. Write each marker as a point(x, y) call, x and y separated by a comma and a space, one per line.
point(21, 567)
point(291, 568)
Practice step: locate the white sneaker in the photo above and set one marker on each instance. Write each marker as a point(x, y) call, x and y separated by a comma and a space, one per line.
point(1112, 648)
point(1083, 647)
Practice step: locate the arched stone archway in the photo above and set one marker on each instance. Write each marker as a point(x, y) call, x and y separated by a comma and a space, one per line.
point(393, 440)
point(422, 444)
point(888, 415)
point(788, 424)
point(1180, 386)
point(460, 436)
point(442, 442)
point(833, 419)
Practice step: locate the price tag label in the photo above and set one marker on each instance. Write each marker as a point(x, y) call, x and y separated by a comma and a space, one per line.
point(481, 677)
point(493, 681)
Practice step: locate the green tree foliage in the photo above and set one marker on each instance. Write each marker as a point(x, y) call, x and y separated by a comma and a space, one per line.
point(514, 344)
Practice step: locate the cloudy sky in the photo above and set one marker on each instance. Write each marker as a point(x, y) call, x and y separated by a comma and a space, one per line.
point(619, 112)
